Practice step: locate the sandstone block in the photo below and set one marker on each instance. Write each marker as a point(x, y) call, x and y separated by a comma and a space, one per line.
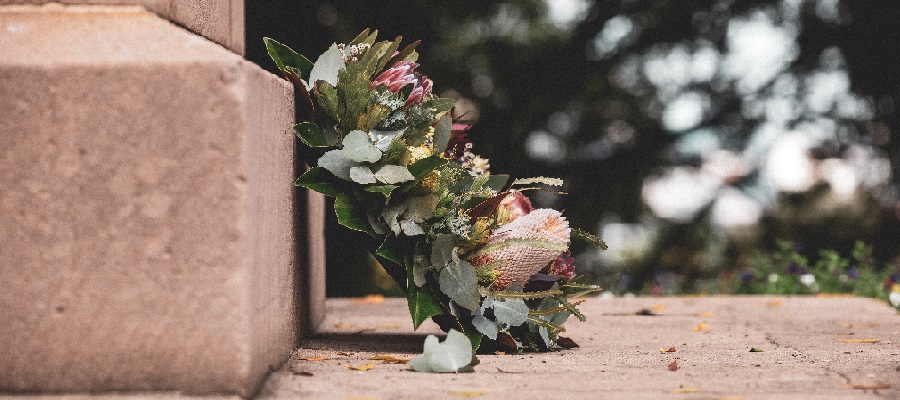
point(222, 21)
point(145, 207)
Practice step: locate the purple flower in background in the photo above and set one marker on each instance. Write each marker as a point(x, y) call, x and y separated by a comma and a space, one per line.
point(563, 266)
point(793, 268)
point(399, 75)
point(747, 277)
point(852, 273)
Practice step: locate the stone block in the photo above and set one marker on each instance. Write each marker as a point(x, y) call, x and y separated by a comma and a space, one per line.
point(221, 21)
point(146, 206)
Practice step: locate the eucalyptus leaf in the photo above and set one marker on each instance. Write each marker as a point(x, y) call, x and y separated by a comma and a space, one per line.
point(545, 334)
point(410, 228)
point(383, 189)
point(512, 312)
point(422, 304)
point(442, 250)
point(485, 326)
point(337, 164)
point(455, 354)
point(391, 216)
point(420, 266)
point(362, 174)
point(460, 283)
point(421, 208)
point(358, 147)
point(327, 66)
point(392, 174)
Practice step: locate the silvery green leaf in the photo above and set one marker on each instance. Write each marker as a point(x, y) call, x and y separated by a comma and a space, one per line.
point(560, 318)
point(453, 355)
point(485, 326)
point(327, 66)
point(442, 134)
point(421, 208)
point(419, 268)
point(454, 309)
point(390, 217)
point(410, 228)
point(441, 250)
point(460, 283)
point(454, 256)
point(487, 303)
point(377, 225)
point(383, 139)
point(337, 164)
point(362, 174)
point(512, 312)
point(544, 335)
point(392, 174)
point(357, 147)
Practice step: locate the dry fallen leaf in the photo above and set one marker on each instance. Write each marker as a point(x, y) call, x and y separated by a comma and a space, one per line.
point(860, 340)
point(511, 372)
point(706, 314)
point(389, 359)
point(857, 326)
point(673, 366)
point(844, 333)
point(703, 326)
point(773, 303)
point(500, 353)
point(756, 350)
point(659, 307)
point(469, 393)
point(302, 373)
point(370, 299)
point(359, 368)
point(341, 325)
point(323, 358)
point(669, 350)
point(685, 390)
point(875, 386)
point(346, 353)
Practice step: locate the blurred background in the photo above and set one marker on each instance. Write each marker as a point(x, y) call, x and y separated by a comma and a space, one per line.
point(693, 135)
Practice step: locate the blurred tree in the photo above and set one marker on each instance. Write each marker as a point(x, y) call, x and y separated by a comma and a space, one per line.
point(664, 117)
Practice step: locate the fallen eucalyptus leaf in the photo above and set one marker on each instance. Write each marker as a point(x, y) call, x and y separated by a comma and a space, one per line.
point(454, 354)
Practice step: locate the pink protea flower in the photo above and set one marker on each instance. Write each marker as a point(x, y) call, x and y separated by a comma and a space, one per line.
point(399, 75)
point(522, 248)
point(516, 204)
point(563, 266)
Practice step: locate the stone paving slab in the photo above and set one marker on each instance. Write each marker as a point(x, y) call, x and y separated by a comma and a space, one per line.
point(804, 354)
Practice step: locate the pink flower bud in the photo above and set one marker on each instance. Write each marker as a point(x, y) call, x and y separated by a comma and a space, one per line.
point(516, 204)
point(399, 75)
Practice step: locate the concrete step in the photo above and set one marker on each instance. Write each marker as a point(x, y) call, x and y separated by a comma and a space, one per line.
point(221, 21)
point(146, 209)
point(804, 354)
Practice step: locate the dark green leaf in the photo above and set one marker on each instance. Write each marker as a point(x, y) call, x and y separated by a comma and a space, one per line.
point(422, 305)
point(383, 189)
point(310, 134)
point(287, 59)
point(359, 38)
point(439, 104)
point(589, 237)
point(391, 250)
point(328, 99)
point(322, 181)
point(421, 168)
point(351, 213)
point(497, 182)
point(442, 134)
point(408, 51)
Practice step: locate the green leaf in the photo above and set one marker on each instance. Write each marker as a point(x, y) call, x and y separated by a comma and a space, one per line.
point(327, 97)
point(383, 139)
point(455, 354)
point(327, 66)
point(353, 95)
point(359, 38)
point(373, 116)
point(396, 152)
point(497, 182)
point(512, 312)
point(588, 237)
point(460, 283)
point(408, 53)
point(351, 213)
point(359, 148)
point(438, 104)
point(286, 58)
point(442, 134)
point(383, 189)
point(539, 179)
point(390, 250)
point(322, 181)
point(422, 304)
point(420, 208)
point(421, 168)
point(392, 174)
point(310, 134)
point(337, 164)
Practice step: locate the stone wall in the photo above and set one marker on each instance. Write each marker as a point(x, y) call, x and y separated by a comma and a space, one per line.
point(147, 214)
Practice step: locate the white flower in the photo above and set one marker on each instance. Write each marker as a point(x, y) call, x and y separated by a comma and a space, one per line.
point(807, 279)
point(894, 298)
point(773, 278)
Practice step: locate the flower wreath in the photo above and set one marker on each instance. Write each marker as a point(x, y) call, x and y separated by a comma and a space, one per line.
point(465, 244)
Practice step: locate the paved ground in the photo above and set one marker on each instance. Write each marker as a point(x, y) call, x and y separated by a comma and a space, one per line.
point(812, 348)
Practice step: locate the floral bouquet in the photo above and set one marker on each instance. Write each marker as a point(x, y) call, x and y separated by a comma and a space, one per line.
point(465, 244)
